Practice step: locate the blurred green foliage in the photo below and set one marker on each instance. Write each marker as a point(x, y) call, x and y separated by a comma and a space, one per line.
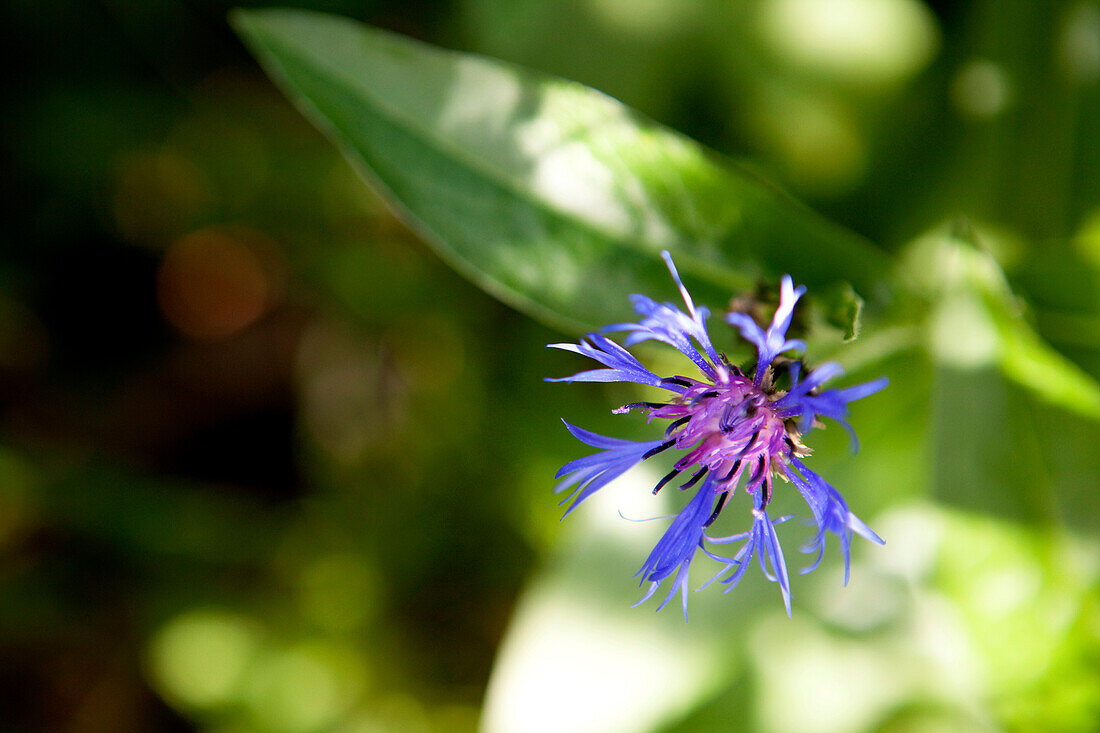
point(267, 464)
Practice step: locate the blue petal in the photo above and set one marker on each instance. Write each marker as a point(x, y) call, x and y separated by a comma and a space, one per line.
point(831, 514)
point(788, 297)
point(773, 342)
point(763, 541)
point(831, 403)
point(624, 367)
point(676, 548)
point(749, 330)
point(774, 552)
point(591, 473)
point(668, 324)
point(599, 441)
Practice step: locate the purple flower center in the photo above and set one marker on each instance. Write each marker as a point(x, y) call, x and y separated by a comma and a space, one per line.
point(731, 427)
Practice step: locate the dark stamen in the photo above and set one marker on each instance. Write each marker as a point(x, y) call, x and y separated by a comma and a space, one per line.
point(767, 490)
point(671, 475)
point(636, 406)
point(682, 381)
point(694, 479)
point(699, 398)
point(675, 424)
point(750, 443)
point(758, 471)
point(719, 504)
point(654, 451)
point(728, 476)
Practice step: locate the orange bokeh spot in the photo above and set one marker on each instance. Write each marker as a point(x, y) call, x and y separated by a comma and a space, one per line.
point(212, 283)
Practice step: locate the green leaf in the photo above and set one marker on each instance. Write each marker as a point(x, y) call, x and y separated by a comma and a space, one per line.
point(984, 442)
point(977, 322)
point(1004, 451)
point(551, 196)
point(842, 308)
point(1013, 419)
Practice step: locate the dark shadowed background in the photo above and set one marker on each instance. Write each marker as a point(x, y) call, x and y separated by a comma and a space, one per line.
point(267, 464)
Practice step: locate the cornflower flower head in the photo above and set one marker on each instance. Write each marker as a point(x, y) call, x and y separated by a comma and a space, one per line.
point(734, 427)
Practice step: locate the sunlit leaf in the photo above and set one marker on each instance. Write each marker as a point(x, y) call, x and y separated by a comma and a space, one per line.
point(551, 196)
point(977, 322)
point(1010, 413)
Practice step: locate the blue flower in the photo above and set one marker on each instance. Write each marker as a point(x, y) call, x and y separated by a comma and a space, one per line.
point(774, 342)
point(763, 541)
point(831, 514)
point(733, 430)
point(592, 473)
point(622, 366)
point(676, 548)
point(665, 322)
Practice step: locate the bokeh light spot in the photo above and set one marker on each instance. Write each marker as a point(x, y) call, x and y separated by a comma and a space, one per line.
point(395, 713)
point(647, 19)
point(981, 89)
point(308, 686)
point(609, 672)
point(1079, 45)
point(213, 283)
point(198, 658)
point(1087, 239)
point(843, 685)
point(818, 142)
point(1004, 590)
point(863, 42)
